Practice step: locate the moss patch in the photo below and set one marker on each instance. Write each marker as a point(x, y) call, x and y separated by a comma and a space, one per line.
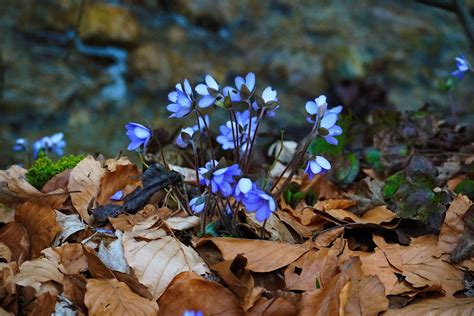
point(44, 168)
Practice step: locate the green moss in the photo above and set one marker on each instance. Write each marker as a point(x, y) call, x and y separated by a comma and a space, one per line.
point(44, 168)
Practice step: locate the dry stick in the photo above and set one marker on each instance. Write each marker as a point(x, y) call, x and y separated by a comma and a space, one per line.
point(237, 143)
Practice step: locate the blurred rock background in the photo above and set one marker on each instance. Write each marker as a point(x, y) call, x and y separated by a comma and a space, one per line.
point(130, 53)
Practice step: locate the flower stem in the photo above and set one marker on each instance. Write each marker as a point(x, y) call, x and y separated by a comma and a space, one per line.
point(249, 151)
point(296, 161)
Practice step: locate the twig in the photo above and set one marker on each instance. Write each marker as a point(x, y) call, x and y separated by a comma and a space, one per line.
point(76, 28)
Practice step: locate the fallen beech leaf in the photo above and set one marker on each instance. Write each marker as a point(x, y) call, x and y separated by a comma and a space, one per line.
point(96, 267)
point(442, 306)
point(5, 252)
point(182, 223)
point(64, 306)
point(111, 164)
point(111, 297)
point(273, 307)
point(377, 215)
point(452, 228)
point(420, 268)
point(157, 262)
point(126, 222)
point(40, 223)
point(7, 287)
point(34, 273)
point(323, 188)
point(14, 189)
point(314, 267)
point(71, 257)
point(59, 181)
point(44, 305)
point(75, 288)
point(239, 280)
point(348, 293)
point(69, 224)
point(378, 265)
point(121, 177)
point(338, 204)
point(262, 255)
point(305, 231)
point(188, 173)
point(194, 293)
point(15, 237)
point(7, 214)
point(275, 230)
point(85, 177)
point(326, 238)
point(112, 254)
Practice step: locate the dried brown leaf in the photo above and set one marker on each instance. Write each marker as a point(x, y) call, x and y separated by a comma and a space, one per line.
point(85, 177)
point(239, 280)
point(182, 223)
point(40, 223)
point(194, 293)
point(443, 306)
point(419, 266)
point(15, 237)
point(75, 288)
point(37, 272)
point(262, 255)
point(348, 293)
point(111, 297)
point(14, 189)
point(273, 307)
point(157, 262)
point(124, 176)
point(5, 252)
point(316, 267)
point(377, 215)
point(452, 228)
point(44, 305)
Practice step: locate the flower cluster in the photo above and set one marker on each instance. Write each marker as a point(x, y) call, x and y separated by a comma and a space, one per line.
point(54, 143)
point(228, 186)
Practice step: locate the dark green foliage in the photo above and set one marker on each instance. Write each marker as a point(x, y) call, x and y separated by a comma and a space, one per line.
point(293, 195)
point(466, 187)
point(44, 168)
point(345, 169)
point(411, 193)
point(372, 156)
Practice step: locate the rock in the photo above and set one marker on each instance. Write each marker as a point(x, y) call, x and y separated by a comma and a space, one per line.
point(108, 23)
point(102, 23)
point(209, 13)
point(151, 63)
point(343, 63)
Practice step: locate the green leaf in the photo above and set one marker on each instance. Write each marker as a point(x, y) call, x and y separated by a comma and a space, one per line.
point(372, 156)
point(345, 169)
point(466, 187)
point(392, 184)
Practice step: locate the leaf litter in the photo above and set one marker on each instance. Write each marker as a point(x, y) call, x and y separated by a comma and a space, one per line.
point(348, 254)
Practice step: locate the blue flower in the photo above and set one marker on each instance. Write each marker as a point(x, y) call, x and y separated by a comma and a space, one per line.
point(138, 134)
point(180, 142)
point(209, 92)
point(462, 66)
point(242, 128)
point(192, 313)
point(197, 204)
point(236, 94)
point(269, 98)
point(182, 100)
point(21, 144)
point(257, 200)
point(117, 196)
point(54, 143)
point(242, 188)
point(317, 165)
point(316, 108)
point(329, 123)
point(220, 179)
